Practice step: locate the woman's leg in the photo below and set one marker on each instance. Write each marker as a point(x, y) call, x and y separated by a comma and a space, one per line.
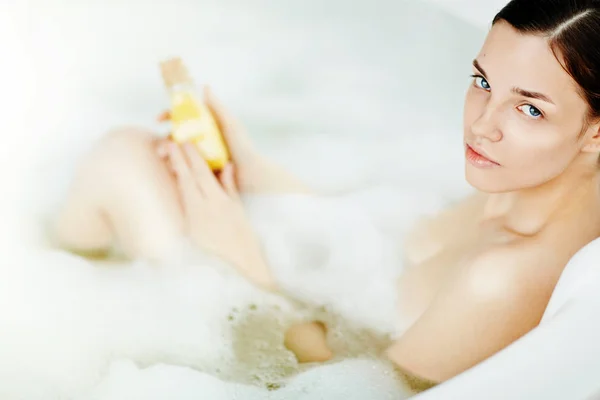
point(308, 342)
point(123, 194)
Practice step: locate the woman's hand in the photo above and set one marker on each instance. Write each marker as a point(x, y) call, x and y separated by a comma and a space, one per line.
point(254, 173)
point(215, 216)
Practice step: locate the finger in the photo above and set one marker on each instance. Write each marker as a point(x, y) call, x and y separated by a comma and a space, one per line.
point(205, 178)
point(227, 179)
point(164, 116)
point(189, 190)
point(170, 168)
point(161, 148)
point(237, 140)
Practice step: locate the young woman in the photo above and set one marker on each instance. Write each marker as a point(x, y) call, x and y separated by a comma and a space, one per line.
point(481, 273)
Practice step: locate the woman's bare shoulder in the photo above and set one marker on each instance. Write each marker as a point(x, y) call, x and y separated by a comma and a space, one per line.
point(519, 266)
point(489, 302)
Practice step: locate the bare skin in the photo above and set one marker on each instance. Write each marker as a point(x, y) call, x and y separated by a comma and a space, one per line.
point(498, 285)
point(480, 274)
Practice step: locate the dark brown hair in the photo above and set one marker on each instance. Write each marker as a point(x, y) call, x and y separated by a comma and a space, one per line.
point(572, 28)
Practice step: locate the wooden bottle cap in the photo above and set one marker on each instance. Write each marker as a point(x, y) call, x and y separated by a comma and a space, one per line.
point(174, 72)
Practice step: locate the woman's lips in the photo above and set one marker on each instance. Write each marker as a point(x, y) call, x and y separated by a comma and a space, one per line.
point(479, 160)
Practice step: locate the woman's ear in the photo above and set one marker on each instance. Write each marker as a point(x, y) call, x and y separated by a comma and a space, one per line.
point(592, 138)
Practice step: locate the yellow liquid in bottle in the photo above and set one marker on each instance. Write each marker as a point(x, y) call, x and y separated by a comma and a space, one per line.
point(192, 120)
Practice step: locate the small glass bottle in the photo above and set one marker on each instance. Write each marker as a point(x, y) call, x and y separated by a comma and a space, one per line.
point(191, 119)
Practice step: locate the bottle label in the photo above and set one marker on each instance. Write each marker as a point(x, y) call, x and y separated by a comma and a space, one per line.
point(193, 122)
point(189, 130)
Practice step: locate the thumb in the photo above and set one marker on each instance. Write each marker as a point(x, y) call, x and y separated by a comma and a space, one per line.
point(227, 178)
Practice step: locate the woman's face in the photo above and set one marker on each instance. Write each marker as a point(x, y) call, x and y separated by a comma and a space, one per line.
point(523, 115)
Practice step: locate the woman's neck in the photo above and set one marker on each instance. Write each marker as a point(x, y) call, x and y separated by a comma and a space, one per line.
point(526, 212)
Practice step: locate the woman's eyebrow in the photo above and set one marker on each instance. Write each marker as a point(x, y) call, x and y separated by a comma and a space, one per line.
point(516, 90)
point(532, 95)
point(479, 68)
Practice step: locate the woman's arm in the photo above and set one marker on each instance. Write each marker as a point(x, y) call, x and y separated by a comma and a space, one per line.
point(214, 216)
point(488, 305)
point(263, 176)
point(559, 359)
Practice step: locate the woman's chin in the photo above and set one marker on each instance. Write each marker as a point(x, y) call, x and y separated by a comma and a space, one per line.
point(485, 180)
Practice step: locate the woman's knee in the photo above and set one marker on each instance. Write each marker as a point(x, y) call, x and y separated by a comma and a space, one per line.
point(119, 149)
point(126, 180)
point(129, 140)
point(126, 153)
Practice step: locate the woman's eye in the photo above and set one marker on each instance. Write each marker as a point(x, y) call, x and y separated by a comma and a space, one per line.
point(481, 82)
point(531, 111)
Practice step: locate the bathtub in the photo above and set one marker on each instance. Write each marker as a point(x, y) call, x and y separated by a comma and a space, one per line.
point(355, 87)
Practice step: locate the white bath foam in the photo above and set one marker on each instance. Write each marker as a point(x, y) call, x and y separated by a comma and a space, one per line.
point(353, 379)
point(64, 320)
point(126, 381)
point(333, 252)
point(359, 88)
point(348, 380)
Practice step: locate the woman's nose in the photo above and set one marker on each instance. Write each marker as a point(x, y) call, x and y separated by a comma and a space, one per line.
point(486, 127)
